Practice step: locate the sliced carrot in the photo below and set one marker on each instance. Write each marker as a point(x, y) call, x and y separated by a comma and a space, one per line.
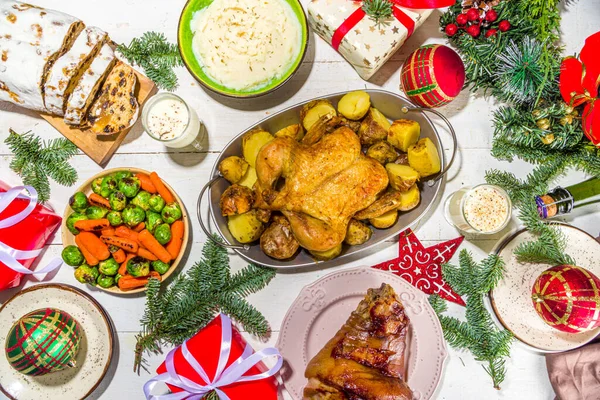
point(98, 200)
point(142, 252)
point(126, 244)
point(123, 267)
point(161, 188)
point(174, 245)
point(140, 227)
point(108, 232)
point(119, 256)
point(150, 242)
point(90, 225)
point(146, 183)
point(90, 259)
point(94, 245)
point(126, 233)
point(130, 282)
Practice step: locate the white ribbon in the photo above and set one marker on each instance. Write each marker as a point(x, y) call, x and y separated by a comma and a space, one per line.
point(223, 376)
point(8, 255)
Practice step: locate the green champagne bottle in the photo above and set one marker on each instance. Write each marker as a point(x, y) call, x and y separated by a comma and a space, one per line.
point(561, 201)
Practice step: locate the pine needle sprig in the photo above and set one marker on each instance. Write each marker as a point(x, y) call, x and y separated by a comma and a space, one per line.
point(175, 313)
point(156, 56)
point(378, 10)
point(37, 161)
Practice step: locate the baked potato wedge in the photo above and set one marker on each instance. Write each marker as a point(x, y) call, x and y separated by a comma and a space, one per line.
point(295, 132)
point(373, 128)
point(383, 152)
point(402, 177)
point(386, 220)
point(236, 199)
point(410, 199)
point(278, 241)
point(357, 233)
point(404, 133)
point(252, 142)
point(328, 254)
point(424, 157)
point(311, 112)
point(388, 202)
point(249, 179)
point(263, 215)
point(233, 168)
point(245, 228)
point(354, 105)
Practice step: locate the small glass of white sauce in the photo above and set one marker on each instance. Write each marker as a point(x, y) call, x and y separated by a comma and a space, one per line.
point(167, 118)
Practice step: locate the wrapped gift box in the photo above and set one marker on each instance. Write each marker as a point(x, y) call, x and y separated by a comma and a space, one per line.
point(364, 43)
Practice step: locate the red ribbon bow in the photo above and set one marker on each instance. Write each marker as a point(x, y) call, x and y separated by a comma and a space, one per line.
point(400, 15)
point(579, 80)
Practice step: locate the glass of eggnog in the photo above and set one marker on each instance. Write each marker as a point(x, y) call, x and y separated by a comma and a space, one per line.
point(167, 118)
point(483, 209)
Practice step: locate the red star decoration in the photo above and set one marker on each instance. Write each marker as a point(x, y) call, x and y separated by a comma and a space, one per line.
point(422, 267)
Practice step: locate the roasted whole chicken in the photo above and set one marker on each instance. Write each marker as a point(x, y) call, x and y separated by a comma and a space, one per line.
point(318, 187)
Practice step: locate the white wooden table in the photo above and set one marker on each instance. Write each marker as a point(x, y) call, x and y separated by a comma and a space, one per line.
point(323, 72)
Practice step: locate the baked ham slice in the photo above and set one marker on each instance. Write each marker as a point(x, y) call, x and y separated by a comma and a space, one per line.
point(88, 86)
point(66, 71)
point(365, 358)
point(116, 108)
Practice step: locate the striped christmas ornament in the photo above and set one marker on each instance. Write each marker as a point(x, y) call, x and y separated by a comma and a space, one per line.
point(567, 298)
point(432, 75)
point(43, 341)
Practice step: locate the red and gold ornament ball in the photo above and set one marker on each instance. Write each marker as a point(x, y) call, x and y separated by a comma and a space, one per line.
point(433, 75)
point(567, 298)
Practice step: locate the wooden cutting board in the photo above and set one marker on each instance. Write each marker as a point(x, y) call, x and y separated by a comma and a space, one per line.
point(101, 148)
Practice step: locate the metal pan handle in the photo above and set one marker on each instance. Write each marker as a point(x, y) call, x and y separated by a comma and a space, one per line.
point(203, 226)
point(444, 170)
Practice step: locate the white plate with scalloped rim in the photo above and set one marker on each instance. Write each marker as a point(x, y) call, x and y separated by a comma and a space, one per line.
point(324, 306)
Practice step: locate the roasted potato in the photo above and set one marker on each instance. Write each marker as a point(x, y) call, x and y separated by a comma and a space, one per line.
point(402, 177)
point(402, 159)
point(236, 199)
point(314, 110)
point(386, 220)
point(245, 228)
point(328, 254)
point(252, 142)
point(354, 105)
point(404, 133)
point(357, 233)
point(410, 199)
point(373, 128)
point(423, 157)
point(389, 201)
point(383, 152)
point(233, 168)
point(278, 241)
point(295, 132)
point(249, 179)
point(263, 215)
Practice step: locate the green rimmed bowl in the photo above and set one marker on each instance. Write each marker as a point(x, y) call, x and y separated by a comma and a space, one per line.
point(185, 43)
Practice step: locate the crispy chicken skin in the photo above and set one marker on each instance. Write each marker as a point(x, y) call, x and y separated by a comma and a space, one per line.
point(365, 359)
point(326, 183)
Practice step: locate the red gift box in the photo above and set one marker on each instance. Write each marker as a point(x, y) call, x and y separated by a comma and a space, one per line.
point(30, 233)
point(205, 347)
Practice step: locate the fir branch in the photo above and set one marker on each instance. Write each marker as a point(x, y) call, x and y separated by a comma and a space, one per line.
point(378, 10)
point(35, 161)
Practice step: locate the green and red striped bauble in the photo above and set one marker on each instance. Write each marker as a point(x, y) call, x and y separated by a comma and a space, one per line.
point(432, 75)
point(43, 341)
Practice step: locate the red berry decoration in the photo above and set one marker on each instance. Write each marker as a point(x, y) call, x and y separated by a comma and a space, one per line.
point(451, 29)
point(504, 25)
point(474, 30)
point(491, 32)
point(473, 14)
point(461, 19)
point(567, 298)
point(491, 16)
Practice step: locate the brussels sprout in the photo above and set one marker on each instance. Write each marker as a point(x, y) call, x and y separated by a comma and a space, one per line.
point(138, 266)
point(109, 185)
point(153, 219)
point(95, 212)
point(117, 277)
point(108, 267)
point(162, 233)
point(119, 175)
point(133, 215)
point(171, 213)
point(78, 202)
point(117, 201)
point(87, 274)
point(114, 218)
point(160, 267)
point(72, 256)
point(142, 199)
point(156, 203)
point(106, 281)
point(129, 186)
point(97, 185)
point(71, 222)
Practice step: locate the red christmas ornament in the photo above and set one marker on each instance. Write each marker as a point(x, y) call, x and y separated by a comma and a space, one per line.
point(451, 29)
point(432, 75)
point(491, 32)
point(473, 14)
point(491, 16)
point(504, 25)
point(567, 298)
point(422, 267)
point(461, 19)
point(474, 30)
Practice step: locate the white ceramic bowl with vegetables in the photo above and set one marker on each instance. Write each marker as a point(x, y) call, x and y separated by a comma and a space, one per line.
point(123, 227)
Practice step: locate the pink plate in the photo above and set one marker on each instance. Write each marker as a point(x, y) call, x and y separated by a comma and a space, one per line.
point(322, 308)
